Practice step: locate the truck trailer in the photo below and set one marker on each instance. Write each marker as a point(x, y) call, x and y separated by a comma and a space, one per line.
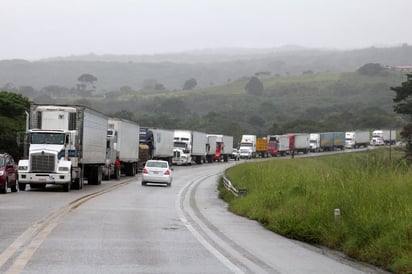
point(223, 147)
point(299, 142)
point(66, 144)
point(126, 145)
point(357, 139)
point(189, 146)
point(262, 149)
point(159, 141)
point(278, 145)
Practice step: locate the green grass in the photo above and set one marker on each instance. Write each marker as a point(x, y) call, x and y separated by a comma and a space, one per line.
point(297, 198)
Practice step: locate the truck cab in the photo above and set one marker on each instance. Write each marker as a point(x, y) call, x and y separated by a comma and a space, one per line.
point(51, 153)
point(182, 147)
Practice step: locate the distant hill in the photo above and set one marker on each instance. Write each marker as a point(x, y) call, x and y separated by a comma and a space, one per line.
point(209, 68)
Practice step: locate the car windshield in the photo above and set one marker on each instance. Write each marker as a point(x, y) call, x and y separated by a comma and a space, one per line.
point(156, 164)
point(1, 162)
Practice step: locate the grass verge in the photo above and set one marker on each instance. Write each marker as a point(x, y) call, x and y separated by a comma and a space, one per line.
point(297, 198)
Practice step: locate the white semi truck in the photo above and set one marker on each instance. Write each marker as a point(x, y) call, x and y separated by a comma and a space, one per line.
point(189, 146)
point(126, 146)
point(247, 148)
point(66, 144)
point(382, 137)
point(357, 139)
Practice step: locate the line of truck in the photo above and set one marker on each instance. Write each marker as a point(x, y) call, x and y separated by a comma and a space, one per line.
point(294, 143)
point(69, 144)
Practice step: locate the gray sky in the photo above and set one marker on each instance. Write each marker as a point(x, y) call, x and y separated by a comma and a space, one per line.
point(34, 29)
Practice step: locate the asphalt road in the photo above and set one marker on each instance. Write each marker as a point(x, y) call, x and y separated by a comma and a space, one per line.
point(123, 227)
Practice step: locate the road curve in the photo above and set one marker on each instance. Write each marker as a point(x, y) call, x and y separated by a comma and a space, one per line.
point(123, 227)
point(248, 246)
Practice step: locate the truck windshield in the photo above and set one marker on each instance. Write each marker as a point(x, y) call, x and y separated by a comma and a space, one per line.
point(47, 138)
point(246, 144)
point(180, 145)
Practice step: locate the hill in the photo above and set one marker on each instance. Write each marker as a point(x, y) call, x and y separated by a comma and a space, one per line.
point(209, 68)
point(305, 103)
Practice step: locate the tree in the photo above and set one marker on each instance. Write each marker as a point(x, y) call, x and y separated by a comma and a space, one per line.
point(190, 84)
point(403, 99)
point(12, 121)
point(86, 85)
point(371, 69)
point(254, 86)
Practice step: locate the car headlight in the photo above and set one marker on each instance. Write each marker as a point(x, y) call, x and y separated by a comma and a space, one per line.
point(23, 168)
point(1, 173)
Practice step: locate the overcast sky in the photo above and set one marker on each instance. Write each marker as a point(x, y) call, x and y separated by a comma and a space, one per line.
point(34, 29)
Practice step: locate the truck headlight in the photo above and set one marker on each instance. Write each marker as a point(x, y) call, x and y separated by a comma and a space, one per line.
point(63, 169)
point(23, 168)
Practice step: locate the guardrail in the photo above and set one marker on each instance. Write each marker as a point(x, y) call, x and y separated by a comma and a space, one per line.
point(230, 187)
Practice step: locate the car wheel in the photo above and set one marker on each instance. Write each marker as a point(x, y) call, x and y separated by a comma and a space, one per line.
point(143, 183)
point(4, 189)
point(169, 184)
point(14, 187)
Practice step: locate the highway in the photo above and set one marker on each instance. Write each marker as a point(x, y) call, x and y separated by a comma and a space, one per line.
point(124, 227)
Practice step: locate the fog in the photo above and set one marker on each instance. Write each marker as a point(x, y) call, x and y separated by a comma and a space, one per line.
point(47, 28)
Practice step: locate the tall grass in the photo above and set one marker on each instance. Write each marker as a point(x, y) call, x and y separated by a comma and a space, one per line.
point(297, 198)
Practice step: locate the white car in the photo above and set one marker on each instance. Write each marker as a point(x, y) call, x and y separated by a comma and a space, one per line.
point(157, 171)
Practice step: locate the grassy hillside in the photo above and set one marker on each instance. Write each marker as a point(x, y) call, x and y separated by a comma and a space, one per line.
point(297, 198)
point(298, 103)
point(356, 100)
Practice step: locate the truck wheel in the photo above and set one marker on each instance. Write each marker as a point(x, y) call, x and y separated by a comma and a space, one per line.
point(78, 183)
point(14, 187)
point(66, 187)
point(22, 186)
point(99, 175)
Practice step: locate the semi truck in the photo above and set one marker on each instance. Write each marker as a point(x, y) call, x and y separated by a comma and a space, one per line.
point(382, 137)
point(211, 147)
point(330, 141)
point(314, 142)
point(278, 145)
point(247, 148)
point(223, 147)
point(327, 141)
point(65, 145)
point(299, 142)
point(126, 145)
point(159, 142)
point(357, 139)
point(262, 149)
point(189, 146)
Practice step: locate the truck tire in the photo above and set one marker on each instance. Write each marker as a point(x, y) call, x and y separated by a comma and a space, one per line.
point(99, 175)
point(22, 186)
point(78, 183)
point(66, 187)
point(14, 187)
point(95, 176)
